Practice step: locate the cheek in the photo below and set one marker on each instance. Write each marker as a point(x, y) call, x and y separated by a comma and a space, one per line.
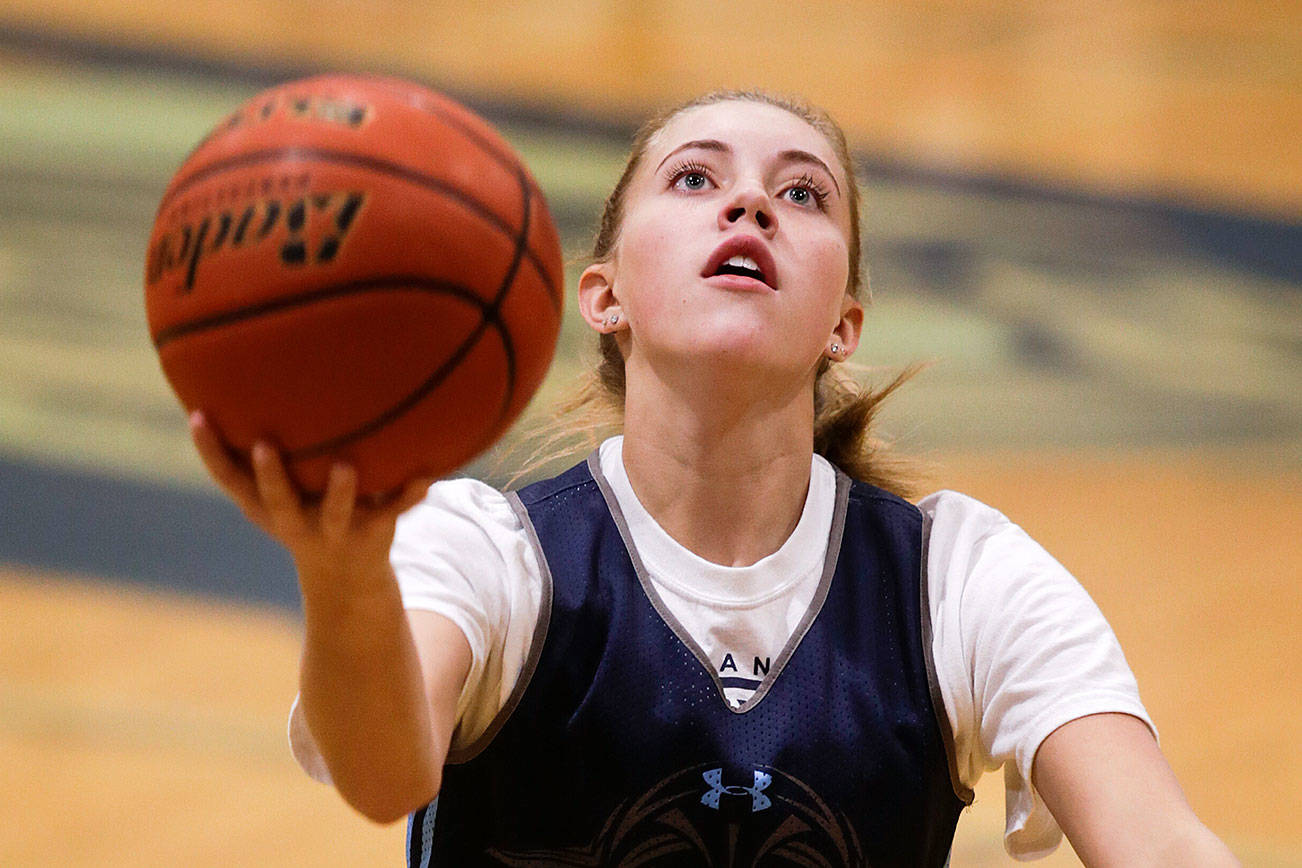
point(832, 255)
point(641, 247)
point(648, 254)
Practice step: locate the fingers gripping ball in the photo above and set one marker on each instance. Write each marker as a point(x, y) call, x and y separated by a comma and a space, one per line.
point(355, 268)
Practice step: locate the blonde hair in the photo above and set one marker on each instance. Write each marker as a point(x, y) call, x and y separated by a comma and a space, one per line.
point(844, 407)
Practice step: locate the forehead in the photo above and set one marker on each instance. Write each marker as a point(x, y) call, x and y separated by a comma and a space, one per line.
point(746, 127)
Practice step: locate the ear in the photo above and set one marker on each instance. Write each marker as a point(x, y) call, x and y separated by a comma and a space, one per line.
point(849, 327)
point(597, 301)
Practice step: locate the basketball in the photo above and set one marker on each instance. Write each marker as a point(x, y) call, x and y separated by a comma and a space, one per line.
point(359, 269)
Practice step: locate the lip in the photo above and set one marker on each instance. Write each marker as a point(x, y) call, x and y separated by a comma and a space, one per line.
point(743, 245)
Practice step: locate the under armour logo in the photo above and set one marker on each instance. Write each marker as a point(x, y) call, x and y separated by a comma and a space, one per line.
point(758, 801)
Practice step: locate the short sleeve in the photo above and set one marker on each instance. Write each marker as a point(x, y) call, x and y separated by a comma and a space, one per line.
point(1020, 650)
point(462, 552)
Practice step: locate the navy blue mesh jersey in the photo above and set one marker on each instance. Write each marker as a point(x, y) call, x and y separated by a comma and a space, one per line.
point(618, 747)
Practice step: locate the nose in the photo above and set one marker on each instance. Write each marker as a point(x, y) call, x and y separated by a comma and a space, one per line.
point(749, 201)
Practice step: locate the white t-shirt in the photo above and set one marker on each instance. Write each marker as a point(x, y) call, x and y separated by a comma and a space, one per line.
point(1019, 646)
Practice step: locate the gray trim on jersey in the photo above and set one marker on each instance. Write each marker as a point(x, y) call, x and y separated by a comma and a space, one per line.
point(427, 833)
point(964, 794)
point(815, 605)
point(535, 646)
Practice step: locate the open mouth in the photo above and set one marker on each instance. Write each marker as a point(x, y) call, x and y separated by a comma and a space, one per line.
point(743, 266)
point(742, 256)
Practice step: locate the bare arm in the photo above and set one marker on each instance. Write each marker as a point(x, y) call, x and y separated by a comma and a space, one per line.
point(378, 687)
point(381, 712)
point(1117, 800)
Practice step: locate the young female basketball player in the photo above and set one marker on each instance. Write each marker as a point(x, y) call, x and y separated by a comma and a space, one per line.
point(708, 644)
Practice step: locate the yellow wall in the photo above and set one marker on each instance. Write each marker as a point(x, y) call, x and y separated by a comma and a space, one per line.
point(1194, 100)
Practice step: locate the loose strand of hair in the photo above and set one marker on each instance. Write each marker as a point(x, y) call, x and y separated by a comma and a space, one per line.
point(845, 413)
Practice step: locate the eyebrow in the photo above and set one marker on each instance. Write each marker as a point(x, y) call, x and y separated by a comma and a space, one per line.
point(799, 156)
point(704, 144)
point(795, 155)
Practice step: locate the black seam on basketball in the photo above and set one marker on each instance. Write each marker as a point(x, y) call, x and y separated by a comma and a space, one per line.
point(375, 164)
point(521, 243)
point(488, 317)
point(506, 161)
point(504, 158)
point(490, 314)
point(375, 284)
point(401, 94)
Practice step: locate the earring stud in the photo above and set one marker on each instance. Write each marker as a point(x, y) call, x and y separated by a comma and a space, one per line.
point(836, 349)
point(612, 320)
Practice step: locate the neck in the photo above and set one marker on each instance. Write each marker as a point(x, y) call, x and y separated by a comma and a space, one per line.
point(725, 475)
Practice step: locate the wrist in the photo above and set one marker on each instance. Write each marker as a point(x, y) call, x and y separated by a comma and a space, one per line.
point(326, 582)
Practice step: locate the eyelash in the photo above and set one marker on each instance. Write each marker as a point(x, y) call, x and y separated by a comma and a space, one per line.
point(687, 168)
point(805, 181)
point(816, 189)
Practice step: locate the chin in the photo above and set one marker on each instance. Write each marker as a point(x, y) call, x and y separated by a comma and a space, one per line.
point(741, 358)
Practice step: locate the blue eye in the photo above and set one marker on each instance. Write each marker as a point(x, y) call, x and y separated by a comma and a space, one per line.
point(689, 176)
point(806, 191)
point(693, 180)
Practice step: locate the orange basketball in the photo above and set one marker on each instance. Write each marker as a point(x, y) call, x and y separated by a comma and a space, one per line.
point(355, 268)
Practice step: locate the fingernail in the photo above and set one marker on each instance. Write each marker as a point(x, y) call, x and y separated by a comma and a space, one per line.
point(196, 418)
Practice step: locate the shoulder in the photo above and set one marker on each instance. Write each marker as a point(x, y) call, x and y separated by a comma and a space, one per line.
point(463, 552)
point(988, 578)
point(951, 510)
point(998, 587)
point(466, 498)
point(465, 510)
point(962, 529)
point(469, 506)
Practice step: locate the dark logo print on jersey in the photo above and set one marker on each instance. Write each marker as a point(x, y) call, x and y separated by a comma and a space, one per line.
point(710, 815)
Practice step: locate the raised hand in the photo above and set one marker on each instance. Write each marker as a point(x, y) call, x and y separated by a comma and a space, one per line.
point(338, 537)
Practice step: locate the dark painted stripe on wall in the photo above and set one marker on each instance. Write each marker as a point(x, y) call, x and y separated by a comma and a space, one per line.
point(76, 521)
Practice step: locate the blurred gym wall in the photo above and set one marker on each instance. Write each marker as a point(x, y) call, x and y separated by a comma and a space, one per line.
point(1189, 101)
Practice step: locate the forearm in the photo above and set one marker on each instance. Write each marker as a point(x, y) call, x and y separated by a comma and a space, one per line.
point(1186, 845)
point(362, 689)
point(362, 692)
point(1117, 799)
point(1194, 845)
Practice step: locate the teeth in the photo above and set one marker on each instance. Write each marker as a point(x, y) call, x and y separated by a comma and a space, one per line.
point(740, 261)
